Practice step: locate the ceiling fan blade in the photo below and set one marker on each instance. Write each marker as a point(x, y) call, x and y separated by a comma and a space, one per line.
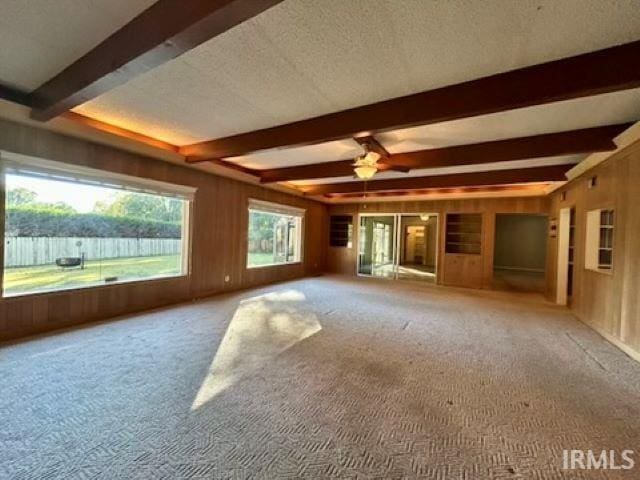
point(382, 166)
point(398, 168)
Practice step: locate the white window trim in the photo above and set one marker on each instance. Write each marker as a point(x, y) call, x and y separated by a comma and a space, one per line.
point(271, 207)
point(18, 164)
point(592, 242)
point(277, 209)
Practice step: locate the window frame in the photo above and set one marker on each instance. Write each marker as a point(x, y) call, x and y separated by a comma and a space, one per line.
point(271, 208)
point(13, 163)
point(593, 227)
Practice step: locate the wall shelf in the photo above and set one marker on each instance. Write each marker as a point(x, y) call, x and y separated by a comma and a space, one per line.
point(464, 233)
point(340, 230)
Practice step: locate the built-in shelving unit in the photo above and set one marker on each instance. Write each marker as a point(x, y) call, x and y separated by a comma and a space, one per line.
point(464, 233)
point(341, 231)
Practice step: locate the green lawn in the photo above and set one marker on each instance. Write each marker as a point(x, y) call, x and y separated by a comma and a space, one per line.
point(259, 259)
point(51, 277)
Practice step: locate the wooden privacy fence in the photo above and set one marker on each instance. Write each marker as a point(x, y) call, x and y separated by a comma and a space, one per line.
point(28, 251)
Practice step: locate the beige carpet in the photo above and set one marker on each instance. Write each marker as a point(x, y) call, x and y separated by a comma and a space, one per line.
point(518, 280)
point(317, 378)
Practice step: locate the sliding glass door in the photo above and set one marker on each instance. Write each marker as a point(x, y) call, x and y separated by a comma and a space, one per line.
point(398, 246)
point(417, 239)
point(377, 245)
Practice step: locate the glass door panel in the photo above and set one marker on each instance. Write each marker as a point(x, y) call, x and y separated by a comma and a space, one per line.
point(377, 246)
point(417, 247)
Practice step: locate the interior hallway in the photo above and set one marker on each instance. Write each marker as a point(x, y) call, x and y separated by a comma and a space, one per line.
point(320, 377)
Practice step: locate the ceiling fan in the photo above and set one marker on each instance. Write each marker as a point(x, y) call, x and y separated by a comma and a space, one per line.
point(366, 166)
point(373, 160)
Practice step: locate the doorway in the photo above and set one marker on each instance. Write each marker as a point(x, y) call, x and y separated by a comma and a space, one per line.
point(398, 246)
point(566, 255)
point(520, 251)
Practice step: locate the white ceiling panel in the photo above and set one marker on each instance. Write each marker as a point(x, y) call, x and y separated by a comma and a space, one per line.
point(305, 58)
point(40, 38)
point(289, 157)
point(485, 167)
point(608, 109)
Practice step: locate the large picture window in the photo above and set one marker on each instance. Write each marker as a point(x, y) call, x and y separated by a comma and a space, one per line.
point(275, 233)
point(64, 231)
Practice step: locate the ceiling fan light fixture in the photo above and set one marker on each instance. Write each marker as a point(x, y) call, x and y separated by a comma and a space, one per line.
point(366, 166)
point(366, 171)
point(372, 157)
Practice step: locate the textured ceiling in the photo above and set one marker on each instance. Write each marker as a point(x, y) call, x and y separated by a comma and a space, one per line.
point(288, 157)
point(608, 109)
point(304, 58)
point(612, 108)
point(39, 38)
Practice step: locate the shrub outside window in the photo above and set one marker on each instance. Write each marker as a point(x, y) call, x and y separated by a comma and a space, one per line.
point(66, 232)
point(274, 234)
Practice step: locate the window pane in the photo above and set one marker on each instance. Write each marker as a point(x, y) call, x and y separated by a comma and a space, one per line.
point(604, 259)
point(67, 235)
point(273, 238)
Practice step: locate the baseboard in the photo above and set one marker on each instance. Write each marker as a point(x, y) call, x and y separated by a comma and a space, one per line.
point(519, 269)
point(631, 352)
point(35, 331)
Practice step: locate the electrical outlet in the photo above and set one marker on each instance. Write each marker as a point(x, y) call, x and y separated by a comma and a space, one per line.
point(227, 278)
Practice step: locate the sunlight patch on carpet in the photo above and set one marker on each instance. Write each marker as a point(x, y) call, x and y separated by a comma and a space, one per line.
point(262, 327)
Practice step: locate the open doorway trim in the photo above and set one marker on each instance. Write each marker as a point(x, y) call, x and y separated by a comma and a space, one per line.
point(564, 224)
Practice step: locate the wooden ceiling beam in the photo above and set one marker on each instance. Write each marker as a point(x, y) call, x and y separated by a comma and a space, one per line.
point(14, 95)
point(164, 31)
point(587, 140)
point(473, 179)
point(594, 73)
point(340, 168)
point(223, 163)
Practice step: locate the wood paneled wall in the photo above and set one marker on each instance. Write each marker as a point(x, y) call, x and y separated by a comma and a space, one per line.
point(219, 238)
point(343, 260)
point(608, 302)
